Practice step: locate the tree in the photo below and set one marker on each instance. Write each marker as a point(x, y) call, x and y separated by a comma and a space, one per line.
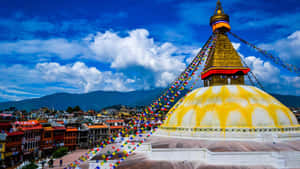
point(76, 108)
point(69, 109)
point(31, 165)
point(12, 109)
point(60, 152)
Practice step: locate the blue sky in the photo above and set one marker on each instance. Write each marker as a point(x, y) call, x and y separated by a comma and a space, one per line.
point(81, 46)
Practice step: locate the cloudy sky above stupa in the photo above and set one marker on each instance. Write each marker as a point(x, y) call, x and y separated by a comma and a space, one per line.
point(80, 46)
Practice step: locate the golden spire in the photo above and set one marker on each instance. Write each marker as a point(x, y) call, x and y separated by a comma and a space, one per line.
point(219, 19)
point(219, 8)
point(223, 65)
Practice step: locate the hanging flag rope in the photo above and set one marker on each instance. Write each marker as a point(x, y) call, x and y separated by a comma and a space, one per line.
point(253, 75)
point(275, 59)
point(113, 165)
point(153, 115)
point(116, 163)
point(193, 63)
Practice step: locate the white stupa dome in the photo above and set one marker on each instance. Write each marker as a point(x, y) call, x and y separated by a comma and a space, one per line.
point(229, 108)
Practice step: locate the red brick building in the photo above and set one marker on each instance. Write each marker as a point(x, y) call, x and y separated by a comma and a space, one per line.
point(13, 148)
point(71, 138)
point(32, 136)
point(47, 141)
point(11, 144)
point(59, 136)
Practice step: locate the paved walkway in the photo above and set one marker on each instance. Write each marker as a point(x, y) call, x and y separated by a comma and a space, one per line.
point(67, 159)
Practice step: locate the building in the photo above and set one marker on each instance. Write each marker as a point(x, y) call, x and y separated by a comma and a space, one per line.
point(13, 148)
point(83, 136)
point(11, 142)
point(97, 132)
point(73, 122)
point(47, 140)
point(115, 125)
point(59, 135)
point(2, 149)
point(71, 138)
point(32, 138)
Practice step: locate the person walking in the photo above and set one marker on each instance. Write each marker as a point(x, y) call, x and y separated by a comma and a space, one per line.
point(60, 162)
point(43, 164)
point(51, 162)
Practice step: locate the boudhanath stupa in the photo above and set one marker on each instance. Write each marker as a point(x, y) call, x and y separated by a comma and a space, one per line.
point(225, 124)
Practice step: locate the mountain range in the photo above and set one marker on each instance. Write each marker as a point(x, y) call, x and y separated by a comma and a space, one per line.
point(101, 99)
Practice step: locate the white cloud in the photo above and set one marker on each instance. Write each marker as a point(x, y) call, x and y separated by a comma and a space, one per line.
point(270, 76)
point(53, 77)
point(264, 70)
point(83, 77)
point(44, 48)
point(287, 48)
point(236, 46)
point(272, 80)
point(136, 61)
point(137, 49)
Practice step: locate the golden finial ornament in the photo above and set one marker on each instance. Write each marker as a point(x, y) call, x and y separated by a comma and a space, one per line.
point(219, 19)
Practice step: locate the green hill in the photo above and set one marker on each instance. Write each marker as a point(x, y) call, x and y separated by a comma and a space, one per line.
point(101, 99)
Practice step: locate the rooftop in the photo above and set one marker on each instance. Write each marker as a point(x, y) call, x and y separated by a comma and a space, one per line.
point(113, 121)
point(98, 126)
point(71, 129)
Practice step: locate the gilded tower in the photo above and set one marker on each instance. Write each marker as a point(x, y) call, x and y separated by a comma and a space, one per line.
point(223, 65)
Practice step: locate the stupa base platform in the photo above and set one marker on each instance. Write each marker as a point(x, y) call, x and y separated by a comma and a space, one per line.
point(181, 153)
point(223, 145)
point(135, 163)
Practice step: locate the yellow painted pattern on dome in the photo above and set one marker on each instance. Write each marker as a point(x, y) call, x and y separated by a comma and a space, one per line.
point(211, 106)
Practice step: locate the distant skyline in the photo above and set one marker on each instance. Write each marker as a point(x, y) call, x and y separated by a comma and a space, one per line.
point(82, 46)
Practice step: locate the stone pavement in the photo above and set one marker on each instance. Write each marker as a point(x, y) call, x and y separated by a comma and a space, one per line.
point(67, 159)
